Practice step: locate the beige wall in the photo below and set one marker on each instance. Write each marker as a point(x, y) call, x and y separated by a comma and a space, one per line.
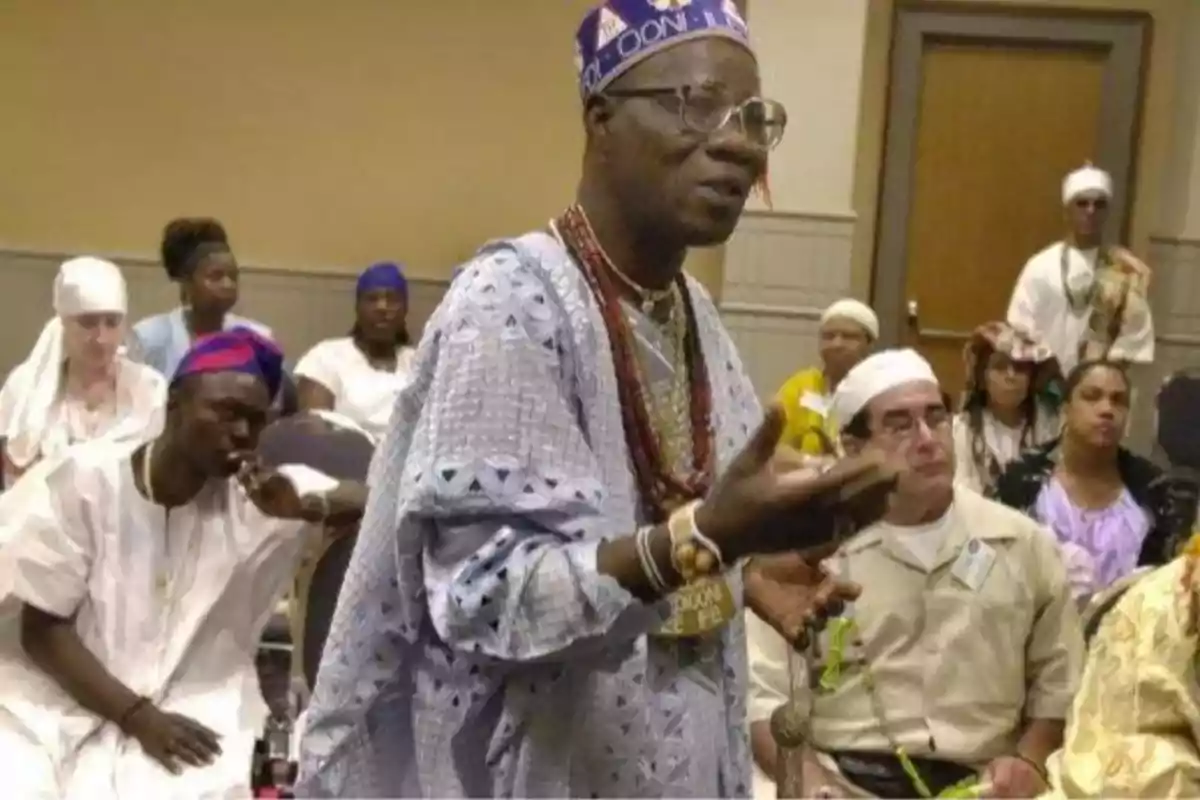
point(811, 60)
point(786, 263)
point(325, 136)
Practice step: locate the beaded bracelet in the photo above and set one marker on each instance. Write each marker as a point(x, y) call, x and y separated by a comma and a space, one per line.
point(127, 714)
point(1038, 768)
point(693, 555)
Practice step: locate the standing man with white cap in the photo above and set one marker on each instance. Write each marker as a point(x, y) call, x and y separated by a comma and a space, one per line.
point(1084, 299)
point(958, 662)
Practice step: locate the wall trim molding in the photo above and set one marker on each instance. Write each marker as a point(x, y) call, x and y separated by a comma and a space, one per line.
point(773, 311)
point(153, 262)
point(816, 216)
point(1186, 240)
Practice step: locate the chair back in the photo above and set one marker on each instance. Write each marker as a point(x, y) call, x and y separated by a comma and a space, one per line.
point(341, 453)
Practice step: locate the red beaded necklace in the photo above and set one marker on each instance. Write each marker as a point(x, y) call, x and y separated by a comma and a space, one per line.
point(660, 488)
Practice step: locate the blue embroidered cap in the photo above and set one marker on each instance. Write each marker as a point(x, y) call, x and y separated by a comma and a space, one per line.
point(620, 33)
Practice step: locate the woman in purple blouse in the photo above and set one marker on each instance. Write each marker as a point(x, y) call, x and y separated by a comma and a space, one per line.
point(1111, 510)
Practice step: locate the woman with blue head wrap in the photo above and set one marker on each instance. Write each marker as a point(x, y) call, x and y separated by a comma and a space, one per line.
point(360, 375)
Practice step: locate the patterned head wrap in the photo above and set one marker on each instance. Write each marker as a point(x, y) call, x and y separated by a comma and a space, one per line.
point(234, 350)
point(382, 276)
point(1019, 345)
point(618, 34)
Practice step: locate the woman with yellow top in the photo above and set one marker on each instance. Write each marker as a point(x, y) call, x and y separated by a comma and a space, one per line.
point(848, 329)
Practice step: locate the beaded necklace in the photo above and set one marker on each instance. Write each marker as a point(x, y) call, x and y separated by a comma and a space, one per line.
point(660, 488)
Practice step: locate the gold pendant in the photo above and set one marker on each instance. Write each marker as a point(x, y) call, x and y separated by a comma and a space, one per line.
point(699, 608)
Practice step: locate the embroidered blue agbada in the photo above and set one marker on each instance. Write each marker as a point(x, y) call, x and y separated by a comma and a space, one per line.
point(476, 650)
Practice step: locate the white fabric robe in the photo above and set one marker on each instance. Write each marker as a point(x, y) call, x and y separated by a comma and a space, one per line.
point(100, 551)
point(1039, 305)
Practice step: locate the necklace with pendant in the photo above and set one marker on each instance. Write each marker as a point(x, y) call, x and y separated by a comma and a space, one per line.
point(661, 486)
point(650, 301)
point(1078, 301)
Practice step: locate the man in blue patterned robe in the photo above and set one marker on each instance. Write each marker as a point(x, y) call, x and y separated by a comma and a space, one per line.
point(495, 635)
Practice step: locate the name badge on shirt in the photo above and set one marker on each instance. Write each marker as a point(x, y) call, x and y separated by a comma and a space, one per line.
point(973, 564)
point(814, 402)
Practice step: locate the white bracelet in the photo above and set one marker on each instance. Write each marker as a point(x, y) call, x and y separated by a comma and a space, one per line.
point(702, 540)
point(653, 574)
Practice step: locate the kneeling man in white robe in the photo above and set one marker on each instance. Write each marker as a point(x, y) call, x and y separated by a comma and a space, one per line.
point(146, 591)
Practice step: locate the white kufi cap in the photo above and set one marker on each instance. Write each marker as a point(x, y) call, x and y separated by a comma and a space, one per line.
point(875, 375)
point(855, 311)
point(1086, 179)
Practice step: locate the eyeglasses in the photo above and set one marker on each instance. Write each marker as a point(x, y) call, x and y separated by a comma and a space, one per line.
point(763, 121)
point(900, 425)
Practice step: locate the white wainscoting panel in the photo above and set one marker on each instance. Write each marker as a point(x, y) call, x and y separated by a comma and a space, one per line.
point(781, 270)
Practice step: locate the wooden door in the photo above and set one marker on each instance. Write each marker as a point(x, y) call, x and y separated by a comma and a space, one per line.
point(990, 121)
point(997, 129)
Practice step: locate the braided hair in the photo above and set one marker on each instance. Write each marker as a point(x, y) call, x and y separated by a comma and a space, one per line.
point(187, 241)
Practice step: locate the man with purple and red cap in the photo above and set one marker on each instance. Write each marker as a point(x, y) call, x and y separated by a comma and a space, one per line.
point(146, 588)
point(544, 598)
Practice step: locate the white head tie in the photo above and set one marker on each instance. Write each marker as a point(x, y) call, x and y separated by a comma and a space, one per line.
point(875, 375)
point(1086, 179)
point(855, 311)
point(83, 286)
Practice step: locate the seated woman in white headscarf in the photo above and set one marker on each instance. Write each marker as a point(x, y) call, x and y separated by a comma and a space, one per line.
point(76, 385)
point(1003, 413)
point(847, 331)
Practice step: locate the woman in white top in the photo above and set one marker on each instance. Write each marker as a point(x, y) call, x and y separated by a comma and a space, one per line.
point(359, 375)
point(77, 384)
point(1001, 415)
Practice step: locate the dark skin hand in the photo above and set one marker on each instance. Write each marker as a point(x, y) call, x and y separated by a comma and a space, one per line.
point(171, 739)
point(757, 508)
point(275, 496)
point(793, 594)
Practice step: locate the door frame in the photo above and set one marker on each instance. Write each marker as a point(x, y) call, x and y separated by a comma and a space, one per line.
point(1124, 35)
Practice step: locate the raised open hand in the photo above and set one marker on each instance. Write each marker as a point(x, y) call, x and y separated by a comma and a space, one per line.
point(762, 506)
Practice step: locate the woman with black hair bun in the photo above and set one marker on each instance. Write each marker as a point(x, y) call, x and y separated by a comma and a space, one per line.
point(196, 254)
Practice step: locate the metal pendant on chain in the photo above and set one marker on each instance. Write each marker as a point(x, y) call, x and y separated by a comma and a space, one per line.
point(1077, 302)
point(653, 302)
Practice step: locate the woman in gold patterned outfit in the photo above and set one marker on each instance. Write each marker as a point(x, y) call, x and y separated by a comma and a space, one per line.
point(1136, 721)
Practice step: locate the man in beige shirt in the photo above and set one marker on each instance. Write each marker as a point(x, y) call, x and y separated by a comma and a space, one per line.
point(962, 655)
